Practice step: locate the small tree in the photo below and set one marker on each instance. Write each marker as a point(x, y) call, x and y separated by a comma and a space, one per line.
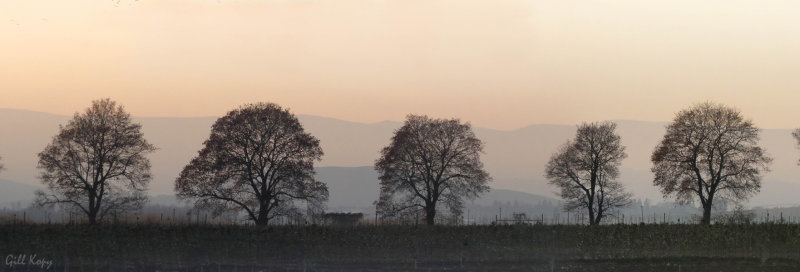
point(258, 160)
point(585, 169)
point(708, 151)
point(430, 161)
point(96, 163)
point(2, 167)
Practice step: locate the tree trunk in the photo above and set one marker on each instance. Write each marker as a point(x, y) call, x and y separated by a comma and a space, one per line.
point(263, 215)
point(92, 218)
point(92, 215)
point(706, 214)
point(430, 215)
point(590, 208)
point(597, 218)
point(592, 193)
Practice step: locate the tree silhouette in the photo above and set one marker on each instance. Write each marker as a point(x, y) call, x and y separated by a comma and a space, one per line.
point(258, 160)
point(96, 163)
point(585, 169)
point(709, 150)
point(430, 161)
point(796, 135)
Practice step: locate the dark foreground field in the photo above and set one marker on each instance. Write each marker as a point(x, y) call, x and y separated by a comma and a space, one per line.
point(764, 247)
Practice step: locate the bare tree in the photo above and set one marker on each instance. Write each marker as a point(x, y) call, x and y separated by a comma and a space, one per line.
point(708, 151)
point(585, 169)
point(258, 160)
point(796, 135)
point(2, 167)
point(96, 163)
point(430, 161)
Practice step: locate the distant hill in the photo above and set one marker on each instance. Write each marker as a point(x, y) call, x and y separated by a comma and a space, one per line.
point(352, 189)
point(515, 159)
point(356, 188)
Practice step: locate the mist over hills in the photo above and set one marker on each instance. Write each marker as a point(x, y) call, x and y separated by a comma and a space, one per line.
point(355, 189)
point(15, 195)
point(352, 189)
point(515, 159)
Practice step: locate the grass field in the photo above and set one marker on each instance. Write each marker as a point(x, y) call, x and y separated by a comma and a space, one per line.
point(758, 247)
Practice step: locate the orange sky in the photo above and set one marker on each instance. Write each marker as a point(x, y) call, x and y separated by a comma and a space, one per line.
point(500, 64)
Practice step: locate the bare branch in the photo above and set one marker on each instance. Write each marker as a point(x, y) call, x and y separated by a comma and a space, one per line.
point(97, 163)
point(708, 151)
point(430, 161)
point(584, 169)
point(257, 160)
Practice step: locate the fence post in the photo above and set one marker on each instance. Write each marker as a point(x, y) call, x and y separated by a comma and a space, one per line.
point(567, 217)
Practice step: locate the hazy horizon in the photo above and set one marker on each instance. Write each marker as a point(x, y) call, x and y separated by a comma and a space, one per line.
point(354, 121)
point(397, 121)
point(514, 158)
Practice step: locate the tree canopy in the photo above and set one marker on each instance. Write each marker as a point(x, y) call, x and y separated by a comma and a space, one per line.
point(96, 163)
point(585, 168)
point(428, 162)
point(259, 161)
point(709, 150)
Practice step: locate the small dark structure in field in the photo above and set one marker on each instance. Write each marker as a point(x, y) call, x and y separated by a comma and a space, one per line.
point(518, 218)
point(342, 219)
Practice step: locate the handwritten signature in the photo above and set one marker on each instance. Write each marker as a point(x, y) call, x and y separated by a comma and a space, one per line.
point(28, 260)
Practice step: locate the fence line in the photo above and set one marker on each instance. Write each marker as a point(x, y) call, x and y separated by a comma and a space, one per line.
point(201, 217)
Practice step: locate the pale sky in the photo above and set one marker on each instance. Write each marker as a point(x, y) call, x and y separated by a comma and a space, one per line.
point(500, 64)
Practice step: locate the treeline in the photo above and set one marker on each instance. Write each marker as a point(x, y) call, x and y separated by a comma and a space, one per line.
point(258, 163)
